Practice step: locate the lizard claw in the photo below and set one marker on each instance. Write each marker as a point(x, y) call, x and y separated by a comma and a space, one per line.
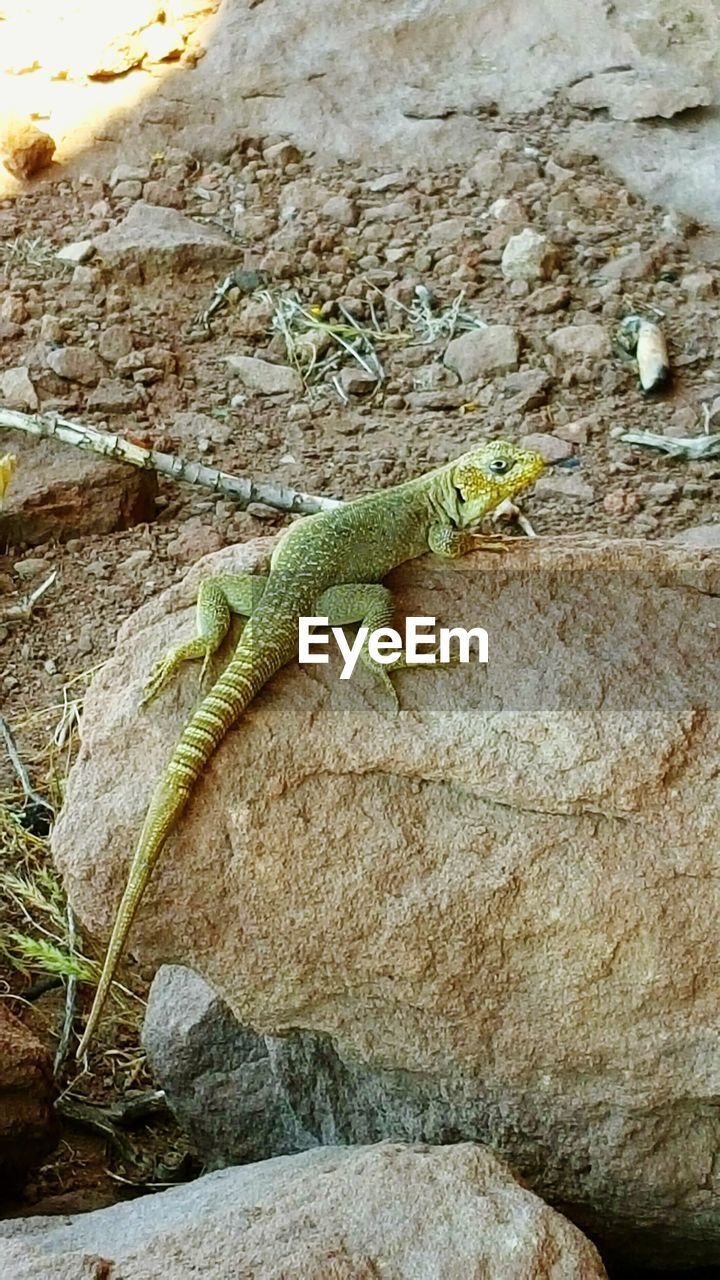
point(158, 677)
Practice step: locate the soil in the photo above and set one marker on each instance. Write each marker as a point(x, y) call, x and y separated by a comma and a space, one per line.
point(365, 238)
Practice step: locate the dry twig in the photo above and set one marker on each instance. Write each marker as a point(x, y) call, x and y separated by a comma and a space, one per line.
point(240, 490)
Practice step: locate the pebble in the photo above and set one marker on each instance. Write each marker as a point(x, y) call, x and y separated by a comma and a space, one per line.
point(25, 149)
point(564, 484)
point(129, 173)
point(698, 284)
point(78, 252)
point(76, 364)
point(356, 382)
point(580, 340)
point(264, 377)
point(548, 446)
point(620, 503)
point(113, 396)
point(494, 349)
point(528, 256)
point(31, 567)
point(550, 298)
point(698, 535)
point(114, 343)
point(17, 390)
point(340, 209)
point(635, 265)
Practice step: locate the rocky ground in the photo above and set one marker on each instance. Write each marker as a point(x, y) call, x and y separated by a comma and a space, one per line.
point(110, 337)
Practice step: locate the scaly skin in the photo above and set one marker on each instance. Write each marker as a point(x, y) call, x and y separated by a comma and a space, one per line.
point(330, 564)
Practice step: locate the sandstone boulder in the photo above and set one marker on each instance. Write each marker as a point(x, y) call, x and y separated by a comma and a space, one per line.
point(62, 493)
point(504, 894)
point(339, 1213)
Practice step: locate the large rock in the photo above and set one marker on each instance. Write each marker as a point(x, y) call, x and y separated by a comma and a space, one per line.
point(159, 241)
point(63, 493)
point(335, 1214)
point(505, 892)
point(29, 1128)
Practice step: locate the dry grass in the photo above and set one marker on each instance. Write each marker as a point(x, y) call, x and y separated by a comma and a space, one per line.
point(36, 256)
point(37, 933)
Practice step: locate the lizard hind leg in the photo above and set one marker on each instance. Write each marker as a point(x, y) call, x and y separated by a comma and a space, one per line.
point(370, 605)
point(218, 598)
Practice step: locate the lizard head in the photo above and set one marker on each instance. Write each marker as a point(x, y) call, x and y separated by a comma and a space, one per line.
point(490, 474)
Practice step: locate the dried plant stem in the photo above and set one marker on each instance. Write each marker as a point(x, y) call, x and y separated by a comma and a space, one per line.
point(240, 490)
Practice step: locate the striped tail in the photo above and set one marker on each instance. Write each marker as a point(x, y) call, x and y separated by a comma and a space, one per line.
point(244, 677)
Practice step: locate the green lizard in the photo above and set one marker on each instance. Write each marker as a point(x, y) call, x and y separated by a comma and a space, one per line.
point(330, 564)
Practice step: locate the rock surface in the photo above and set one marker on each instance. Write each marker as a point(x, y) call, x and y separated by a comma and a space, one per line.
point(505, 891)
point(61, 493)
point(29, 1128)
point(334, 1214)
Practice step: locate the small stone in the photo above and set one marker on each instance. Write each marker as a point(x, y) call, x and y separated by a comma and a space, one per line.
point(386, 180)
point(84, 643)
point(163, 193)
point(549, 448)
point(561, 176)
point(30, 567)
point(698, 284)
point(282, 154)
point(85, 278)
point(130, 190)
point(633, 265)
point(25, 149)
point(395, 211)
point(698, 535)
point(620, 503)
point(494, 349)
point(579, 340)
point(76, 364)
point(114, 343)
point(195, 540)
point(564, 484)
point(190, 427)
point(78, 252)
point(17, 390)
point(251, 226)
point(663, 490)
point(528, 389)
point(113, 396)
point(340, 209)
point(356, 382)
point(552, 297)
point(302, 196)
point(448, 231)
point(129, 173)
point(51, 329)
point(573, 432)
point(264, 377)
point(528, 256)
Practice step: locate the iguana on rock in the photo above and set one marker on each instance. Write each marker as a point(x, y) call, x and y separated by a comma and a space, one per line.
point(331, 564)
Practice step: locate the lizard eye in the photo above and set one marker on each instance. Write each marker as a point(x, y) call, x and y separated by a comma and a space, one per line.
point(500, 466)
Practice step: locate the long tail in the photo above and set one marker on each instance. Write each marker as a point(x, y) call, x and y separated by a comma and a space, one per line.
point(242, 679)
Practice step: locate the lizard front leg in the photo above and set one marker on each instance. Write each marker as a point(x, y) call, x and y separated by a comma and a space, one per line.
point(451, 543)
point(370, 605)
point(218, 598)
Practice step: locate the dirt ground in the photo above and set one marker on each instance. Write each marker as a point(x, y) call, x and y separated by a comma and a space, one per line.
point(367, 239)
